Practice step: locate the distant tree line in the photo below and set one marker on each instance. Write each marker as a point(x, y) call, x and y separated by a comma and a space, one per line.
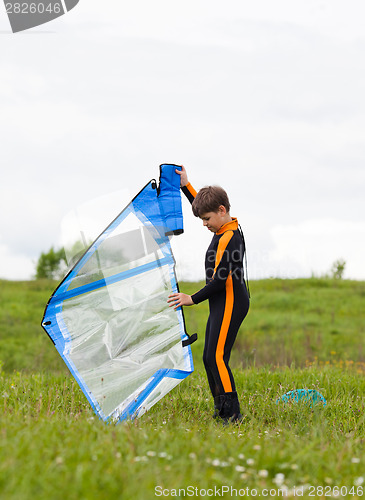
point(51, 265)
point(338, 268)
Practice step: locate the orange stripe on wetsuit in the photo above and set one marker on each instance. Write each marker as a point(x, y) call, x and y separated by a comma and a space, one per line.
point(227, 315)
point(191, 190)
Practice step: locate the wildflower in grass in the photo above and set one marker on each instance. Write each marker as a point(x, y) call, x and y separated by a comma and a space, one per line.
point(192, 456)
point(263, 473)
point(250, 461)
point(241, 456)
point(151, 453)
point(279, 479)
point(216, 462)
point(118, 455)
point(257, 447)
point(355, 460)
point(59, 460)
point(294, 467)
point(240, 468)
point(162, 454)
point(359, 481)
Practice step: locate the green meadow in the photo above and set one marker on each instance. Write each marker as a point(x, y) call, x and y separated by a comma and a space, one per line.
point(306, 333)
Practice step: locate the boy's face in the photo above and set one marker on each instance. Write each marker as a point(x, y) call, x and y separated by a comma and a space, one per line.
point(214, 220)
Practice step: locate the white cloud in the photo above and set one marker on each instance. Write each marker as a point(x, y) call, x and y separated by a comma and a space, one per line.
point(312, 246)
point(264, 98)
point(195, 20)
point(15, 266)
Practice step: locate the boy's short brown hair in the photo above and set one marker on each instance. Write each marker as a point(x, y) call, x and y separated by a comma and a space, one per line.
point(209, 199)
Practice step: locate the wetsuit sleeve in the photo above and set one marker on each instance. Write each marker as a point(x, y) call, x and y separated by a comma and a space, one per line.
point(189, 192)
point(223, 265)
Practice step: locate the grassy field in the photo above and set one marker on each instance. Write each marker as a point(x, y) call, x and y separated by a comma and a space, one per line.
point(298, 334)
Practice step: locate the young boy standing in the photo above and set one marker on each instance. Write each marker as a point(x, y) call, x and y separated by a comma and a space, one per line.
point(225, 290)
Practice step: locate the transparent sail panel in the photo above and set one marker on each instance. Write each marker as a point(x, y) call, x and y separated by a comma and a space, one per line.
point(121, 251)
point(122, 334)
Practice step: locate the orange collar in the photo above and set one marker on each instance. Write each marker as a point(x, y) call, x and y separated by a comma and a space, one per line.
point(232, 225)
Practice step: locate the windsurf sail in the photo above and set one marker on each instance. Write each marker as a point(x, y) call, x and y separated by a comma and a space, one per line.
point(109, 318)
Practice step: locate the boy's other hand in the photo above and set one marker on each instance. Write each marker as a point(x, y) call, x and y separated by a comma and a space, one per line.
point(176, 300)
point(183, 176)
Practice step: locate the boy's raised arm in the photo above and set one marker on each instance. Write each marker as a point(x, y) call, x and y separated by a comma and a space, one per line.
point(185, 185)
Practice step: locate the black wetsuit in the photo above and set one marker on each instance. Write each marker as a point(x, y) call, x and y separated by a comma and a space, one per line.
point(228, 301)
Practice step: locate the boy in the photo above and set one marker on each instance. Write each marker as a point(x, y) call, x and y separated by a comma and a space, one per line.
point(225, 289)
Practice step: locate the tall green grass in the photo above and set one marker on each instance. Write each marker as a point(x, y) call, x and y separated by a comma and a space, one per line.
point(289, 322)
point(307, 334)
point(296, 322)
point(23, 343)
point(53, 447)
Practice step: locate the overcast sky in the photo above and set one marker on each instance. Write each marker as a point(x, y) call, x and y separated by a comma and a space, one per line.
point(264, 98)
